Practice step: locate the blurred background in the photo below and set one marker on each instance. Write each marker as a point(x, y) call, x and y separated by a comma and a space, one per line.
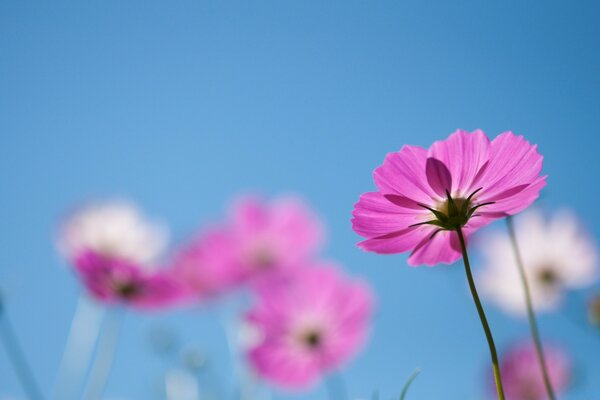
point(182, 105)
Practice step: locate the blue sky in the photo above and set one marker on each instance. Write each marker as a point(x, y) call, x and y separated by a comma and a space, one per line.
point(182, 105)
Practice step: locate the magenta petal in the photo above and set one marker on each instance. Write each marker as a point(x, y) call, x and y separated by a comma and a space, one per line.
point(374, 215)
point(464, 154)
point(397, 242)
point(513, 162)
point(442, 248)
point(403, 202)
point(403, 173)
point(517, 202)
point(438, 176)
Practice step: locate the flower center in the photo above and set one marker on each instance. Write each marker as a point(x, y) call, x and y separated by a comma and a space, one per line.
point(548, 277)
point(127, 290)
point(452, 213)
point(312, 339)
point(263, 258)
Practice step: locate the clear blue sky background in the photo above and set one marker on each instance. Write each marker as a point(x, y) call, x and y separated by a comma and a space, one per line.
point(181, 105)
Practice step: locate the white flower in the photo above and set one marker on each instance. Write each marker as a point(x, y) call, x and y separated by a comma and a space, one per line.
point(115, 228)
point(557, 256)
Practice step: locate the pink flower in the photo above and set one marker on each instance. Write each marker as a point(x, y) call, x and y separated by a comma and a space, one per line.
point(275, 236)
point(310, 322)
point(206, 267)
point(464, 181)
point(117, 281)
point(523, 377)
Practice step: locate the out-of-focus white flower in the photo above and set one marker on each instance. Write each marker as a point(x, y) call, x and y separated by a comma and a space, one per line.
point(557, 256)
point(114, 228)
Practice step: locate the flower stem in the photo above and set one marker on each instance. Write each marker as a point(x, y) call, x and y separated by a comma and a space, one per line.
point(410, 380)
point(105, 353)
point(484, 323)
point(17, 357)
point(85, 327)
point(535, 333)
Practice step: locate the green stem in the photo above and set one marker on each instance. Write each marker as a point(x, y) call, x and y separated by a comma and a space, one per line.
point(105, 353)
point(410, 380)
point(484, 323)
point(535, 333)
point(17, 357)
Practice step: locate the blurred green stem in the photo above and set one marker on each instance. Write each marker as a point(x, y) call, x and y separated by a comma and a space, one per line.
point(484, 323)
point(105, 353)
point(535, 333)
point(410, 380)
point(79, 348)
point(17, 356)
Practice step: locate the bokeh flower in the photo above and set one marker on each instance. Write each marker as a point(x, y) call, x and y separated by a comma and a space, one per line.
point(465, 181)
point(206, 266)
point(111, 280)
point(272, 236)
point(114, 250)
point(557, 256)
point(112, 228)
point(310, 321)
point(523, 378)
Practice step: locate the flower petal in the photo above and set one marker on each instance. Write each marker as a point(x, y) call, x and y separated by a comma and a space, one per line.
point(403, 173)
point(464, 154)
point(442, 248)
point(397, 242)
point(513, 162)
point(438, 176)
point(374, 215)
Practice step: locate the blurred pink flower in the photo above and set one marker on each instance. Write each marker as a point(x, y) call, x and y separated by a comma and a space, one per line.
point(273, 236)
point(522, 375)
point(309, 322)
point(206, 266)
point(117, 281)
point(463, 181)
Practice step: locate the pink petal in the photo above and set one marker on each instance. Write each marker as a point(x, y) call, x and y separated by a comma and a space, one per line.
point(438, 177)
point(397, 242)
point(515, 203)
point(513, 162)
point(375, 215)
point(403, 173)
point(464, 154)
point(442, 248)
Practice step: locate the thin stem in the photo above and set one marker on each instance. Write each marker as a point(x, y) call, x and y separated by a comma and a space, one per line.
point(535, 333)
point(484, 323)
point(17, 357)
point(83, 334)
point(410, 380)
point(107, 345)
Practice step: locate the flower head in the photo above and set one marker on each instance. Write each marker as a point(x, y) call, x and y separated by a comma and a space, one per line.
point(206, 267)
point(310, 322)
point(557, 256)
point(465, 181)
point(275, 236)
point(522, 375)
point(113, 228)
point(118, 281)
